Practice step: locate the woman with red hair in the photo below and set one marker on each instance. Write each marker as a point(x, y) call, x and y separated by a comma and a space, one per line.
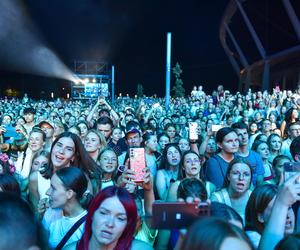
point(110, 222)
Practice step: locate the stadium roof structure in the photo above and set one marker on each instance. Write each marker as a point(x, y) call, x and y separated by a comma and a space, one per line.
point(262, 41)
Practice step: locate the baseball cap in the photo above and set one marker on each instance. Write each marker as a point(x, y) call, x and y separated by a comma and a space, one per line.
point(132, 131)
point(45, 123)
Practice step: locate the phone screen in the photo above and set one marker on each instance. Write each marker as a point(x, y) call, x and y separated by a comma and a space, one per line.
point(216, 128)
point(156, 105)
point(291, 169)
point(137, 162)
point(10, 131)
point(177, 215)
point(193, 133)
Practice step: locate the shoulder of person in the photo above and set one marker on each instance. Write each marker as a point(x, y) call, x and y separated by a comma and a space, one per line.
point(71, 246)
point(33, 177)
point(211, 186)
point(138, 244)
point(213, 159)
point(255, 154)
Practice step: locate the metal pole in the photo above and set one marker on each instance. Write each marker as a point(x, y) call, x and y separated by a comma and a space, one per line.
point(293, 17)
point(168, 69)
point(251, 30)
point(266, 76)
point(113, 84)
point(233, 62)
point(237, 47)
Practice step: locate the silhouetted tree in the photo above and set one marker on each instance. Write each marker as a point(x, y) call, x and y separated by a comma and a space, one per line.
point(140, 91)
point(178, 89)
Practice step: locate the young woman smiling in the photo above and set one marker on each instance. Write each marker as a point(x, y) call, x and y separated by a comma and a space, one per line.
point(67, 150)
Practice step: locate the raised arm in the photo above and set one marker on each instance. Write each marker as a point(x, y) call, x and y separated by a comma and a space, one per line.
point(92, 112)
point(274, 231)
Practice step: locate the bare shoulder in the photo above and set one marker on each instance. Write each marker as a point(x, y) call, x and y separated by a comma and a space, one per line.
point(33, 177)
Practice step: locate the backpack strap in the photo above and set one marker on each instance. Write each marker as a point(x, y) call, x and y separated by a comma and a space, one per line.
point(70, 232)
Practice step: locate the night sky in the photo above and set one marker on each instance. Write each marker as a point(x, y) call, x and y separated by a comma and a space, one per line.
point(132, 36)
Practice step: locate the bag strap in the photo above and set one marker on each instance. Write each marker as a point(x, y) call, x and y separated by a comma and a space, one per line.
point(70, 232)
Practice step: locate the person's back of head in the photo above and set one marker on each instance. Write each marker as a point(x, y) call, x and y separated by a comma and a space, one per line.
point(131, 125)
point(18, 228)
point(8, 183)
point(227, 213)
point(192, 187)
point(105, 120)
point(239, 125)
point(256, 205)
point(295, 149)
point(212, 233)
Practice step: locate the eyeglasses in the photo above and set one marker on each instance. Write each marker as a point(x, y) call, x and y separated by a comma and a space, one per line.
point(190, 161)
point(237, 174)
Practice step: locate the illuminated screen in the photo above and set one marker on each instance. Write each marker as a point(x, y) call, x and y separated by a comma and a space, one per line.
point(96, 89)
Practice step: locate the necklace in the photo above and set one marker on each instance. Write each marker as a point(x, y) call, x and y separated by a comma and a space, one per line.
point(106, 180)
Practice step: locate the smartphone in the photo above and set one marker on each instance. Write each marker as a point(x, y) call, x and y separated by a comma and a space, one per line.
point(291, 169)
point(177, 215)
point(137, 162)
point(156, 105)
point(216, 128)
point(11, 131)
point(193, 133)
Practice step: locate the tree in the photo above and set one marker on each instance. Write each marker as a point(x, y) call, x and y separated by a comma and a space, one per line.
point(178, 89)
point(140, 91)
point(11, 92)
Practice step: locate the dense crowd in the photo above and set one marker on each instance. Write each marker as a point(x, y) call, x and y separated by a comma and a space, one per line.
point(66, 180)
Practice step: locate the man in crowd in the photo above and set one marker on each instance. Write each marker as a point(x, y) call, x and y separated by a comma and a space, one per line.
point(293, 132)
point(29, 114)
point(244, 152)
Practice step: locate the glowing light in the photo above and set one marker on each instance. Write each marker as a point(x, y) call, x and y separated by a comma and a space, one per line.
point(94, 80)
point(52, 95)
point(68, 96)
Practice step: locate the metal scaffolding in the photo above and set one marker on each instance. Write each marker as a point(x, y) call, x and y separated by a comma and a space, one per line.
point(261, 73)
point(95, 80)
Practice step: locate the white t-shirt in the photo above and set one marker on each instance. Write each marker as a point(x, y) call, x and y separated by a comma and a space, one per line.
point(60, 227)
